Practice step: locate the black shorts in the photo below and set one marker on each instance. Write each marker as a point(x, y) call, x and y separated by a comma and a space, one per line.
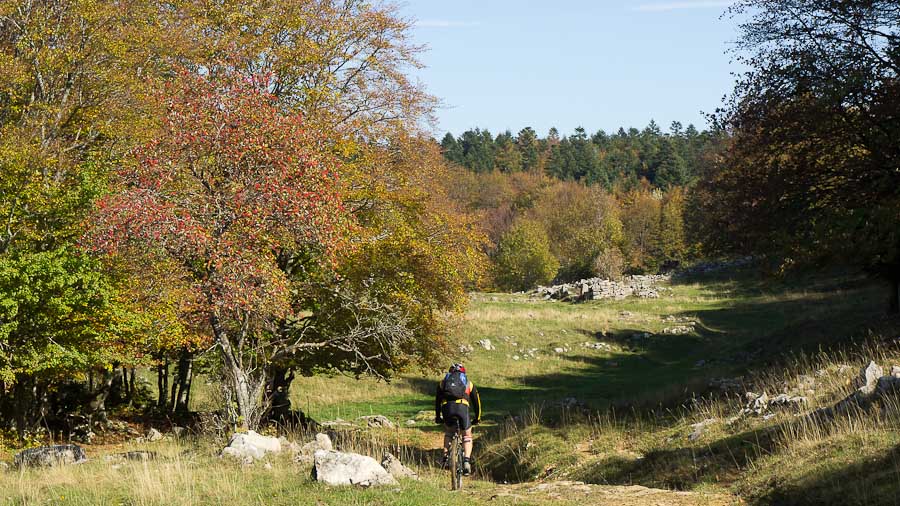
point(456, 411)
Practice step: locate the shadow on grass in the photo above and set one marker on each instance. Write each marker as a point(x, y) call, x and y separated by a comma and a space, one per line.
point(863, 482)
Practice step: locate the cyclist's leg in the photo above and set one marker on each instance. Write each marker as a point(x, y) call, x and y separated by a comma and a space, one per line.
point(449, 426)
point(467, 442)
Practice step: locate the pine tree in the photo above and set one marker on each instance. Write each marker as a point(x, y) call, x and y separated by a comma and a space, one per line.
point(451, 149)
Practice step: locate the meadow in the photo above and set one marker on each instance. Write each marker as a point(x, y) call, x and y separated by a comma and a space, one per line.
point(561, 409)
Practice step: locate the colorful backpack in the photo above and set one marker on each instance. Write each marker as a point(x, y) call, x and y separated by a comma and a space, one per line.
point(455, 386)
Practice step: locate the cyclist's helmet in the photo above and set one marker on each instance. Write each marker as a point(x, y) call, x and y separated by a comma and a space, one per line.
point(457, 367)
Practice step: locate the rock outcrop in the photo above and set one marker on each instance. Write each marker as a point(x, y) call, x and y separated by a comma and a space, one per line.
point(598, 288)
point(338, 468)
point(48, 456)
point(392, 465)
point(250, 446)
point(377, 421)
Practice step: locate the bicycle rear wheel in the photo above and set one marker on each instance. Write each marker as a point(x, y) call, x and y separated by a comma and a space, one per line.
point(456, 463)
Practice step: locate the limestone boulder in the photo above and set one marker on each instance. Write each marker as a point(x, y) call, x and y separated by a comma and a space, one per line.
point(338, 468)
point(49, 456)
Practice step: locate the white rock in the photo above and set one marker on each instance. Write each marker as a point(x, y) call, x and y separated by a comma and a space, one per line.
point(396, 468)
point(251, 445)
point(869, 377)
point(337, 468)
point(153, 435)
point(377, 421)
point(486, 344)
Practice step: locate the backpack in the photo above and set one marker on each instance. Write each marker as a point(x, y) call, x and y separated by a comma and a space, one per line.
point(455, 386)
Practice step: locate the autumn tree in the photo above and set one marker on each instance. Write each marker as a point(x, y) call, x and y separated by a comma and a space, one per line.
point(641, 223)
point(344, 65)
point(581, 222)
point(523, 259)
point(73, 82)
point(809, 174)
point(229, 187)
point(672, 240)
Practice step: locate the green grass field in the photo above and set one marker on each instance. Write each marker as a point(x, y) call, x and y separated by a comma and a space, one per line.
point(644, 395)
point(737, 321)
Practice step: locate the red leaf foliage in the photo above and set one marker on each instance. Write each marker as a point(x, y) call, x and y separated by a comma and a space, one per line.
point(229, 183)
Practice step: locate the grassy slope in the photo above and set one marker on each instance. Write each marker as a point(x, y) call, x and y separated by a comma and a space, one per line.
point(742, 322)
point(739, 321)
point(736, 318)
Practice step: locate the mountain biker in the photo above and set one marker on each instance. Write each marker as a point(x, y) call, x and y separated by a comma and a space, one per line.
point(455, 396)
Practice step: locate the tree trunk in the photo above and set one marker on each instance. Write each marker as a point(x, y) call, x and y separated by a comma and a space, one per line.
point(131, 386)
point(126, 386)
point(183, 382)
point(162, 383)
point(21, 401)
point(97, 404)
point(245, 390)
point(894, 301)
point(278, 399)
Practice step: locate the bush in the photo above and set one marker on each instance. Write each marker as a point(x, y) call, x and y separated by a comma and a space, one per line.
point(523, 257)
point(609, 264)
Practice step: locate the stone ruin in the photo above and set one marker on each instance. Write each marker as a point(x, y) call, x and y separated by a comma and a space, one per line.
point(643, 286)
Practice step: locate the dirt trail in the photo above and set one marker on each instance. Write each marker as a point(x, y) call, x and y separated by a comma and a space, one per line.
point(562, 492)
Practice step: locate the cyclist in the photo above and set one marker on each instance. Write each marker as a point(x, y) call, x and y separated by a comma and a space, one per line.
point(455, 396)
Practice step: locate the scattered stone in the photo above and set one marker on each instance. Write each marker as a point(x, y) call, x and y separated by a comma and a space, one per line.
point(678, 331)
point(699, 428)
point(83, 434)
point(140, 456)
point(153, 435)
point(596, 346)
point(895, 371)
point(559, 350)
point(337, 468)
point(410, 422)
point(374, 421)
point(868, 376)
point(756, 403)
point(396, 468)
point(306, 452)
point(251, 446)
point(336, 423)
point(465, 349)
point(486, 344)
point(516, 357)
point(267, 466)
point(49, 456)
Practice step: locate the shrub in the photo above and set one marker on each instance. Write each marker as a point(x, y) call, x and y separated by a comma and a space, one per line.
point(609, 264)
point(523, 257)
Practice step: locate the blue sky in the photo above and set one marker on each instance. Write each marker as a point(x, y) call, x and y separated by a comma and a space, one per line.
point(502, 64)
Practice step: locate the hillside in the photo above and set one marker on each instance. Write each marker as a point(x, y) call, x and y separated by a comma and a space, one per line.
point(616, 394)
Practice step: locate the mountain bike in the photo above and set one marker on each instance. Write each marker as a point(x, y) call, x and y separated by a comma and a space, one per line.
point(457, 458)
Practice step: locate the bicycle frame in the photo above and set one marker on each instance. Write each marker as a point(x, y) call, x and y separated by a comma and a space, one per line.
point(457, 458)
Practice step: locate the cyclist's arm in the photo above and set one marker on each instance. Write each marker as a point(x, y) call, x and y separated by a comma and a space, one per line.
point(476, 404)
